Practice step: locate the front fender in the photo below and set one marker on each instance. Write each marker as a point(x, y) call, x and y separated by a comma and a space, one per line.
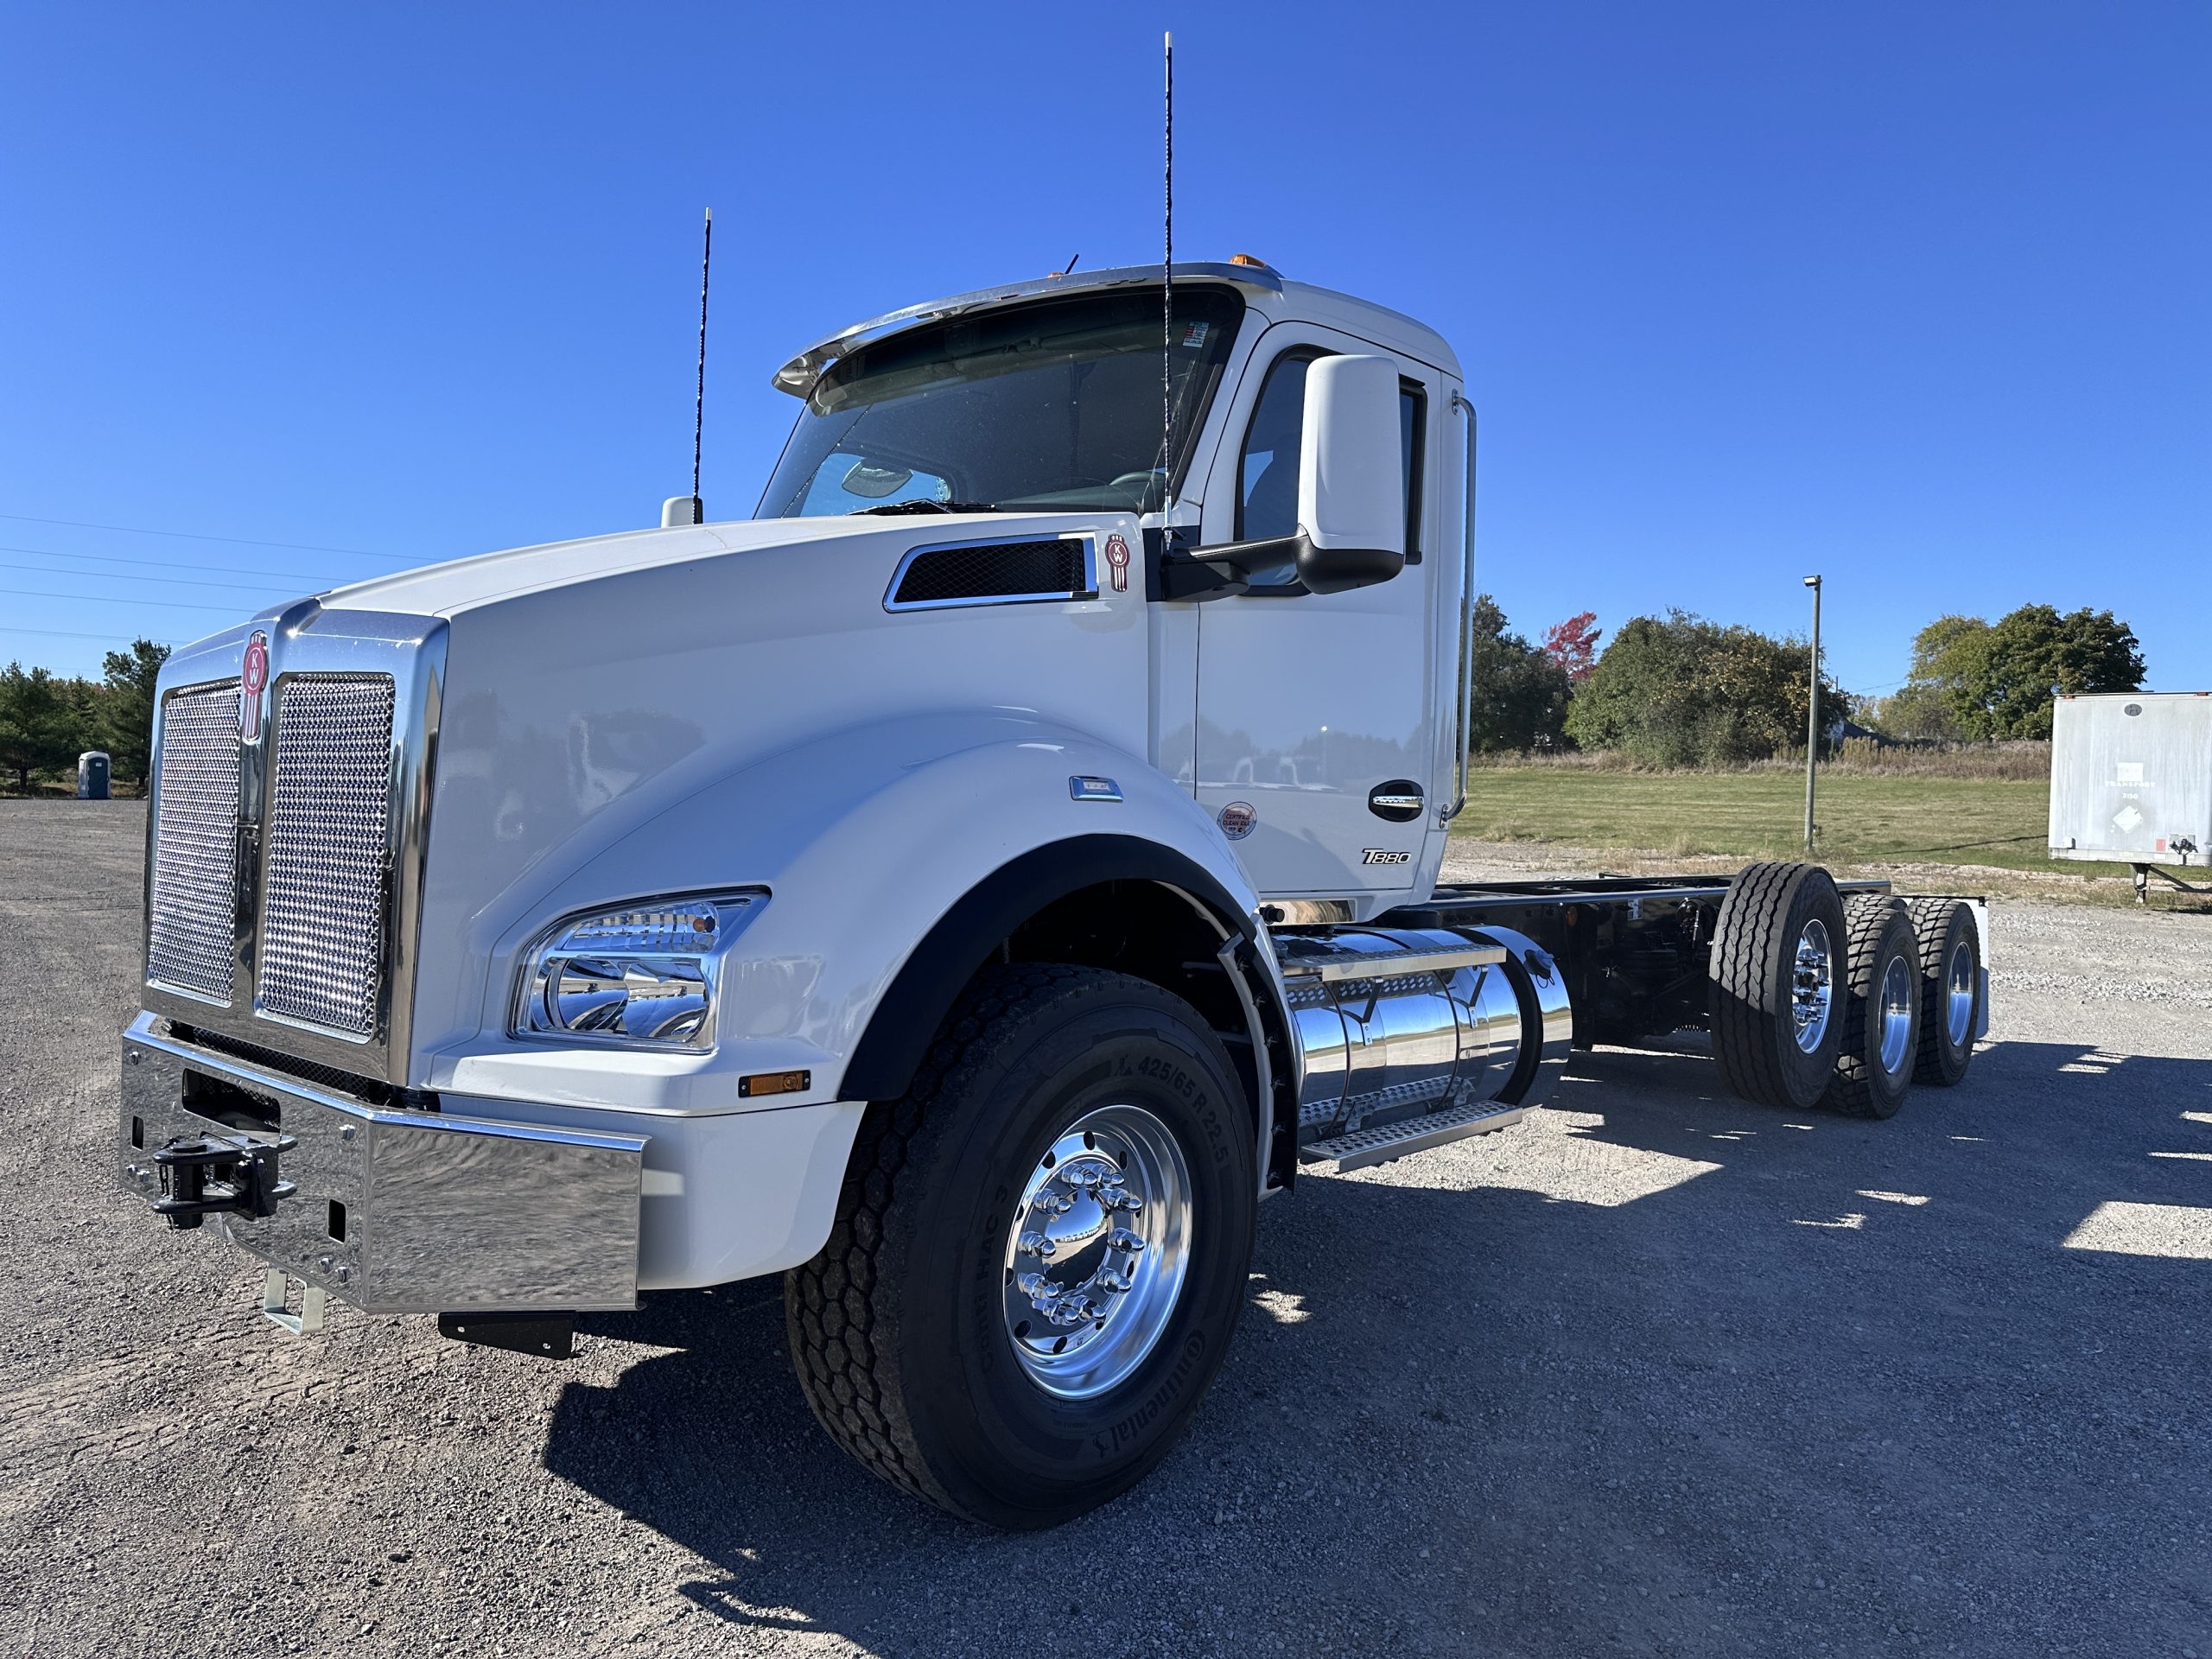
point(865, 840)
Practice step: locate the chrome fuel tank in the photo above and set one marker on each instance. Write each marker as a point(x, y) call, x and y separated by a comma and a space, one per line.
point(1393, 1023)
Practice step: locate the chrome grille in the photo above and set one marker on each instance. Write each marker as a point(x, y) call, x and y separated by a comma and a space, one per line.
point(322, 923)
point(192, 926)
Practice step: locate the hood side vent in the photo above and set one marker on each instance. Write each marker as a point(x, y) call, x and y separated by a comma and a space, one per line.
point(993, 572)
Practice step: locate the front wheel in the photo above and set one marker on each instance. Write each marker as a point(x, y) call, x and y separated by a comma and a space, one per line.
point(1039, 1253)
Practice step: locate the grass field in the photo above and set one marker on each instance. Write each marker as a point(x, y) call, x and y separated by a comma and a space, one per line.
point(1863, 819)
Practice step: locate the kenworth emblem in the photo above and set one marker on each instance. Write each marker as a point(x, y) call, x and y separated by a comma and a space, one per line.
point(253, 674)
point(1118, 562)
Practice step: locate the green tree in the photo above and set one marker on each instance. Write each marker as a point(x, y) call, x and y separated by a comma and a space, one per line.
point(1971, 678)
point(1519, 695)
point(1927, 705)
point(2034, 653)
point(124, 720)
point(44, 721)
point(1680, 691)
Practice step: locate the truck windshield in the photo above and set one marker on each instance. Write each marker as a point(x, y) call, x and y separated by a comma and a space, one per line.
point(1052, 405)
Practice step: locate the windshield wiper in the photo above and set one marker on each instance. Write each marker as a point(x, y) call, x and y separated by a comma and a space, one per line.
point(923, 504)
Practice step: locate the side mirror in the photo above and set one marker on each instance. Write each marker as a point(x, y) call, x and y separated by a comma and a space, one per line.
point(1351, 497)
point(1351, 491)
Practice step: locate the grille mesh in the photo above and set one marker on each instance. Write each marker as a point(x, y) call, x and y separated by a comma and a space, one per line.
point(189, 939)
point(1049, 570)
point(322, 923)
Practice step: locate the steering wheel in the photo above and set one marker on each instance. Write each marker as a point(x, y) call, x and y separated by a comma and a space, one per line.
point(1137, 484)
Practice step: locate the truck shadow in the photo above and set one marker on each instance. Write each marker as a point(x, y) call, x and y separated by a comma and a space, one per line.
point(1656, 1365)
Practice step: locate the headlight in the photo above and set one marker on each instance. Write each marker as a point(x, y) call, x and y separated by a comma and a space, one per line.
point(645, 974)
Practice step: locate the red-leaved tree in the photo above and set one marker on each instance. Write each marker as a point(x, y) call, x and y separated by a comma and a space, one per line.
point(1573, 644)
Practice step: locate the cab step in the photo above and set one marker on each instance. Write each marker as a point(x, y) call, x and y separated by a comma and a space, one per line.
point(1358, 1148)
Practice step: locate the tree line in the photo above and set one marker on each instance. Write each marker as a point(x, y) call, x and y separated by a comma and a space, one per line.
point(1679, 690)
point(46, 721)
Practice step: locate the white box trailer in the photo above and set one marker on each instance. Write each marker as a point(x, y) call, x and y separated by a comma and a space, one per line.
point(2131, 779)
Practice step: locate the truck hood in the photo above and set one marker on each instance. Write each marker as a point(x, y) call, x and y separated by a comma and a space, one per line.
point(447, 590)
point(590, 687)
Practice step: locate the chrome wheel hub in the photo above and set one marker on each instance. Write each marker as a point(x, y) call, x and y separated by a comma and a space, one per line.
point(1958, 993)
point(1895, 1015)
point(1812, 986)
point(1098, 1250)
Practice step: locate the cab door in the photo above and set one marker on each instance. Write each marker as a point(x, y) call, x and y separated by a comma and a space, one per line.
point(1316, 734)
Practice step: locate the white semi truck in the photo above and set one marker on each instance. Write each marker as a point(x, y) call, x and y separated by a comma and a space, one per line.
point(968, 887)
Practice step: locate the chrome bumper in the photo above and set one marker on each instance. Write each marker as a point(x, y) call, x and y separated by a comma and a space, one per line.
point(395, 1212)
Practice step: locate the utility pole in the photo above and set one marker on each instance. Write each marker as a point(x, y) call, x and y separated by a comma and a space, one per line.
point(1813, 714)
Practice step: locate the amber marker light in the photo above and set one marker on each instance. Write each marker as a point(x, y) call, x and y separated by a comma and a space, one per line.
point(773, 1083)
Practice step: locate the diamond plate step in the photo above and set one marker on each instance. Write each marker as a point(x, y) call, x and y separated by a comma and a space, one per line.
point(1361, 1147)
point(1391, 964)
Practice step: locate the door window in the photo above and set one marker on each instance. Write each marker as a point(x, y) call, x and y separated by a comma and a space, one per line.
point(1413, 415)
point(1267, 471)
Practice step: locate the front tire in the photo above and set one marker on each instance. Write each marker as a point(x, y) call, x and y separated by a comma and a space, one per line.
point(1040, 1253)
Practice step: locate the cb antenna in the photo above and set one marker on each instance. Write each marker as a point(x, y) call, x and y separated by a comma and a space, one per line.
point(699, 404)
point(1167, 297)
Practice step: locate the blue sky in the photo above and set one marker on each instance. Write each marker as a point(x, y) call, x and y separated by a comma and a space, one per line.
point(1917, 296)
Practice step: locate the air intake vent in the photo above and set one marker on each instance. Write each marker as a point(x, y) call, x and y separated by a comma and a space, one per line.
point(192, 928)
point(322, 924)
point(993, 572)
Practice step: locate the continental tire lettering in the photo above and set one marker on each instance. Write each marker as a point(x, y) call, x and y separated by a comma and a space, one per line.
point(1108, 1441)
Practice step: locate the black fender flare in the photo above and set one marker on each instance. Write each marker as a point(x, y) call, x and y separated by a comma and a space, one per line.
point(912, 1008)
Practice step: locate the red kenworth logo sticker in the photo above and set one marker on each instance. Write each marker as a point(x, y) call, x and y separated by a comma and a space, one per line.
point(1118, 558)
point(253, 674)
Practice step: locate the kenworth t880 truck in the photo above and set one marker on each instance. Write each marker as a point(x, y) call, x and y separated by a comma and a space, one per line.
point(967, 887)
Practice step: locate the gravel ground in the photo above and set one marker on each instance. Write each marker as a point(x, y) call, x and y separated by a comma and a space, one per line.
point(1655, 1372)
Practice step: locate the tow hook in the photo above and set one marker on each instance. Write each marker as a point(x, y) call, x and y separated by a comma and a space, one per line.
point(204, 1175)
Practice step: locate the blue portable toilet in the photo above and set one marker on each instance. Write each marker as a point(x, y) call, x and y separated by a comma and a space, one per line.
point(91, 775)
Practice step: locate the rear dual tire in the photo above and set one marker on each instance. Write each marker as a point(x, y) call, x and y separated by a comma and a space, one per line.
point(1819, 1001)
point(1777, 967)
point(1951, 994)
point(1880, 1006)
